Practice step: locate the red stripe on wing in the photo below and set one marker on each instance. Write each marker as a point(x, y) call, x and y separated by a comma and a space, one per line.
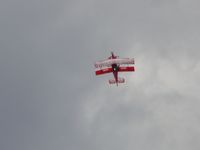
point(126, 69)
point(103, 71)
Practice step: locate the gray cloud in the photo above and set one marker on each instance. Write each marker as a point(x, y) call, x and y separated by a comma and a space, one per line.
point(50, 98)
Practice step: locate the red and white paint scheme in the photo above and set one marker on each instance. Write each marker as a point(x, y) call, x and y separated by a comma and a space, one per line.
point(112, 65)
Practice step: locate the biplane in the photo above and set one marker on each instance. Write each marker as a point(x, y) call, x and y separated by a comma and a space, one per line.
point(114, 64)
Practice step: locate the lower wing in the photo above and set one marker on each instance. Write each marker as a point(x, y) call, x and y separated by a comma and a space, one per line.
point(126, 69)
point(103, 71)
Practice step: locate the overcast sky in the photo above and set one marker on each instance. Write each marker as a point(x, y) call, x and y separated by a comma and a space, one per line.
point(50, 98)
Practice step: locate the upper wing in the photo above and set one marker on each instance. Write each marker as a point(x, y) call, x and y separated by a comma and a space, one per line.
point(103, 71)
point(126, 69)
point(109, 62)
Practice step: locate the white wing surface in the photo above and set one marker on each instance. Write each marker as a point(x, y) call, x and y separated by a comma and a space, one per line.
point(118, 61)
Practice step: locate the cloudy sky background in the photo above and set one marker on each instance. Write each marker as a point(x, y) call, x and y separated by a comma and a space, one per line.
point(50, 98)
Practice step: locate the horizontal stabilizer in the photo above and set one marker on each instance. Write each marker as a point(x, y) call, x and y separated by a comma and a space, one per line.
point(113, 81)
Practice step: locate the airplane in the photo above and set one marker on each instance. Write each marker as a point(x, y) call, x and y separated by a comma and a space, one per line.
point(114, 64)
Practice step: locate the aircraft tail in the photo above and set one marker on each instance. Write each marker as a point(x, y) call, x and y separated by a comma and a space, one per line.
point(113, 81)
